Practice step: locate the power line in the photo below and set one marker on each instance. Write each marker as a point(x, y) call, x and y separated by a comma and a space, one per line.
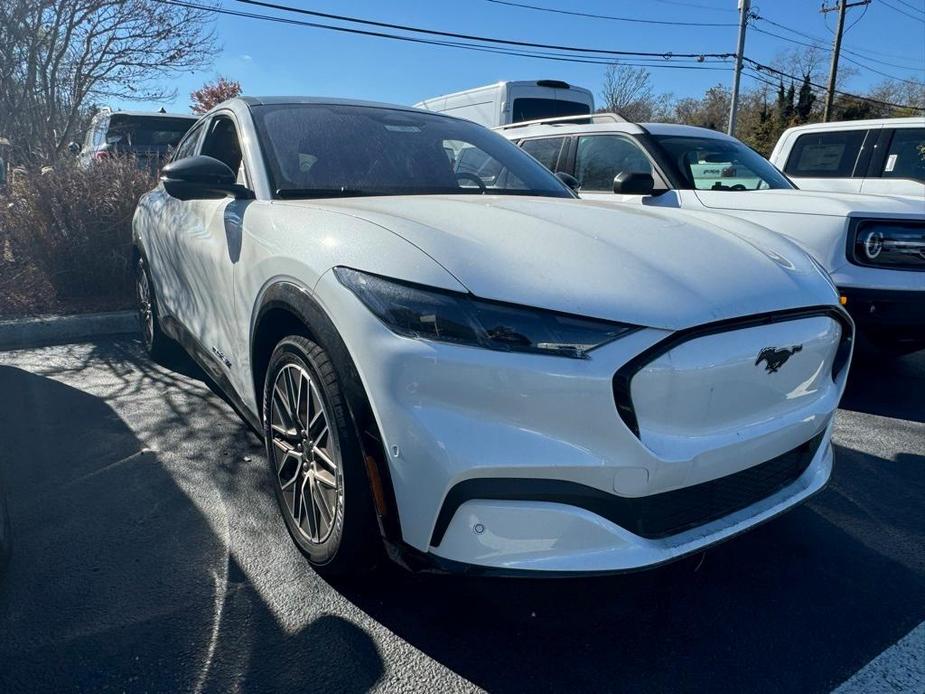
point(781, 73)
point(561, 57)
point(613, 18)
point(818, 39)
point(902, 11)
point(826, 49)
point(471, 37)
point(911, 6)
point(850, 60)
point(565, 56)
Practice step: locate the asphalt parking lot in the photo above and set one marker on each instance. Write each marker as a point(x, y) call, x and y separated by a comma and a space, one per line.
point(149, 556)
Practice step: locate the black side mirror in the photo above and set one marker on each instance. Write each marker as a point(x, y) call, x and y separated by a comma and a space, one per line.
point(73, 148)
point(201, 177)
point(633, 183)
point(568, 180)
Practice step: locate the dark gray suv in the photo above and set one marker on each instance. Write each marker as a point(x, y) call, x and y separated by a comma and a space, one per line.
point(150, 137)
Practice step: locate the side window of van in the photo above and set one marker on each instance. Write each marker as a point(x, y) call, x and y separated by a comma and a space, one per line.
point(906, 155)
point(825, 155)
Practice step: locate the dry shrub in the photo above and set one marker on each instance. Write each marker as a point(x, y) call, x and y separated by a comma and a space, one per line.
point(71, 230)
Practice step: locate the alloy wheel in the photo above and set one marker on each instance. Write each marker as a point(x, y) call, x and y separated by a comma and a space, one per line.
point(145, 307)
point(304, 454)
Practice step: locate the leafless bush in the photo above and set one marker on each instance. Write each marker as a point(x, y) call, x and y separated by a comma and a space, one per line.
point(72, 228)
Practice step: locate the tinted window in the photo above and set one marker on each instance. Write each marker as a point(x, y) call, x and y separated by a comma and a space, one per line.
point(534, 109)
point(222, 143)
point(601, 157)
point(711, 163)
point(906, 156)
point(187, 147)
point(326, 150)
point(147, 131)
point(545, 150)
point(825, 155)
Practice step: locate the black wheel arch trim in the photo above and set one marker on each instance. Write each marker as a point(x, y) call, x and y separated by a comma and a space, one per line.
point(287, 295)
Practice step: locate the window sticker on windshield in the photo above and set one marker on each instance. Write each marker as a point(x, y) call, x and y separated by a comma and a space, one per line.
point(891, 162)
point(403, 128)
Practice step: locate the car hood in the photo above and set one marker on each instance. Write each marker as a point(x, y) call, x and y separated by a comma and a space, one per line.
point(813, 202)
point(662, 269)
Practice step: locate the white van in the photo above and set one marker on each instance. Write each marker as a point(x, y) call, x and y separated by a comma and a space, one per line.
point(884, 156)
point(513, 102)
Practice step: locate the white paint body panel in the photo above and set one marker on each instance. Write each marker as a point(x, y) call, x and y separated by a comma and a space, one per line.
point(492, 105)
point(816, 221)
point(457, 412)
point(867, 185)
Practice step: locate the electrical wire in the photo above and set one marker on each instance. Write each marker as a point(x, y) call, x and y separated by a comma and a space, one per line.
point(911, 6)
point(849, 59)
point(822, 40)
point(902, 11)
point(767, 68)
point(471, 37)
point(613, 18)
point(560, 57)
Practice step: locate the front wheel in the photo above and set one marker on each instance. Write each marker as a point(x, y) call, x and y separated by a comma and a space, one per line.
point(316, 460)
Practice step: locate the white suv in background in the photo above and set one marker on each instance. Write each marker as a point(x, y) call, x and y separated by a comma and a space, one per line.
point(873, 246)
point(484, 371)
point(884, 156)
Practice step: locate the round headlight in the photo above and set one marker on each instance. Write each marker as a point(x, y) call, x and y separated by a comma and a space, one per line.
point(873, 244)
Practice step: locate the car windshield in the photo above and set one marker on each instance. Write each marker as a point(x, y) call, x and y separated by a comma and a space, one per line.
point(331, 150)
point(710, 163)
point(147, 131)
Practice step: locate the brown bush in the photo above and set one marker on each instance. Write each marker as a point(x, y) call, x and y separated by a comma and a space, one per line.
point(68, 232)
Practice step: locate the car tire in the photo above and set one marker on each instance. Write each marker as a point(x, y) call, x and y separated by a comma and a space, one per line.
point(316, 460)
point(153, 339)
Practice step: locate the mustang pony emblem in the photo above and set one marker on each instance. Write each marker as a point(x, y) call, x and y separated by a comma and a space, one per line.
point(776, 357)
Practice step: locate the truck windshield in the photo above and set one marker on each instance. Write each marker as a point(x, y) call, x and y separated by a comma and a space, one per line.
point(332, 150)
point(711, 163)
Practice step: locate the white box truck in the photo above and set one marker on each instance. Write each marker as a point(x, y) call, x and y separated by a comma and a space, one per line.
point(504, 103)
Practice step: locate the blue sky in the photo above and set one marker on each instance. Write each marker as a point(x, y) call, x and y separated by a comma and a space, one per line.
point(270, 58)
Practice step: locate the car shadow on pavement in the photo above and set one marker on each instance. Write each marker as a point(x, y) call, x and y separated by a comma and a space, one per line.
point(888, 387)
point(119, 581)
point(798, 604)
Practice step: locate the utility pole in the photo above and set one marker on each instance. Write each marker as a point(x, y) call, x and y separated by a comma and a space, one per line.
point(841, 6)
point(744, 9)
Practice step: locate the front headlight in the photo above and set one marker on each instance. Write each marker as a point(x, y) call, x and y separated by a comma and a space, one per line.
point(889, 244)
point(435, 314)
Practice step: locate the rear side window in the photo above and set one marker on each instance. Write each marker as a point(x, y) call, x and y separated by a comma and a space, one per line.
point(534, 109)
point(825, 155)
point(906, 155)
point(545, 150)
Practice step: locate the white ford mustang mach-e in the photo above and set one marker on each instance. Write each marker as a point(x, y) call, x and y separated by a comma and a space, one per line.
point(445, 350)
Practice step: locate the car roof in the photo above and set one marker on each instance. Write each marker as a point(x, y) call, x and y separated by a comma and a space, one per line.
point(330, 101)
point(517, 131)
point(914, 121)
point(152, 114)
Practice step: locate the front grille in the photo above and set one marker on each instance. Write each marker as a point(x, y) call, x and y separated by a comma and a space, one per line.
point(655, 516)
point(673, 512)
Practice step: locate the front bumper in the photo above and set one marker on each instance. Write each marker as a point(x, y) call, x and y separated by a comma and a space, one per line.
point(452, 415)
point(894, 315)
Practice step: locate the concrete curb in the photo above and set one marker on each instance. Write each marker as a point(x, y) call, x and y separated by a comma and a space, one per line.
point(50, 330)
